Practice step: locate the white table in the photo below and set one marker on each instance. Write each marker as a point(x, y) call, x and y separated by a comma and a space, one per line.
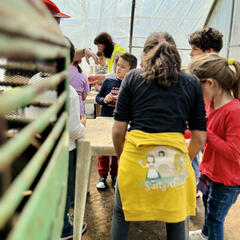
point(91, 99)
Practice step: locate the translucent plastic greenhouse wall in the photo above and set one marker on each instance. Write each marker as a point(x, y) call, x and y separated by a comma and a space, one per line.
point(235, 36)
point(226, 19)
point(179, 17)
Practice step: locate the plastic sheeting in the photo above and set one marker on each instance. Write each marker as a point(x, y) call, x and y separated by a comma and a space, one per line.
point(178, 17)
point(234, 44)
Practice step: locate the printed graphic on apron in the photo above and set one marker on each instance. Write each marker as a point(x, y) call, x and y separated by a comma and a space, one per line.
point(166, 168)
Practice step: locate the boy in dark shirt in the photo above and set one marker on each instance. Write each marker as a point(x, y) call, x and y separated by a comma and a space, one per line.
point(107, 97)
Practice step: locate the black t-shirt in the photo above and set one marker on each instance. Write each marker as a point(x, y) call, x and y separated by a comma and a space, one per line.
point(152, 108)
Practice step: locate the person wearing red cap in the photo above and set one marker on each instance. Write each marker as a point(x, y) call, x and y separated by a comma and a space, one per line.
point(57, 14)
point(55, 11)
point(67, 232)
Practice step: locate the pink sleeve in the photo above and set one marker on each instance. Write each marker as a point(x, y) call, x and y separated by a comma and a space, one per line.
point(228, 147)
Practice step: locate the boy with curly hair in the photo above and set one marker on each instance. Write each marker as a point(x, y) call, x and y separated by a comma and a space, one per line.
point(205, 41)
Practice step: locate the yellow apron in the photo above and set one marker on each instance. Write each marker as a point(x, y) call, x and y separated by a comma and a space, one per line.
point(155, 178)
point(116, 49)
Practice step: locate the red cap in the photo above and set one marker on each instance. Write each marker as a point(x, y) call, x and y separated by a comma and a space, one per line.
point(55, 10)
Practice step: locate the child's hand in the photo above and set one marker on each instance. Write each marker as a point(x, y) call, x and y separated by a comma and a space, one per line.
point(108, 98)
point(96, 79)
point(93, 79)
point(83, 119)
point(97, 87)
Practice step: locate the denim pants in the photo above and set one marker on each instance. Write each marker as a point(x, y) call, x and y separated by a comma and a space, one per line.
point(217, 202)
point(196, 164)
point(70, 188)
point(120, 227)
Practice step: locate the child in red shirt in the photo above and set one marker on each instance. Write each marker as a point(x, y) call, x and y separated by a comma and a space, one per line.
point(220, 166)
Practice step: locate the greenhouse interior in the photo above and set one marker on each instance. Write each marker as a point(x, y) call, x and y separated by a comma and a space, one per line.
point(117, 119)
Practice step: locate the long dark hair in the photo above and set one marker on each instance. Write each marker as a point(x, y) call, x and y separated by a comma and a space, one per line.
point(105, 39)
point(77, 66)
point(162, 61)
point(72, 49)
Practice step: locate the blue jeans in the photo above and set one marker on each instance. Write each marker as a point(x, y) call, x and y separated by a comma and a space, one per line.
point(120, 227)
point(217, 202)
point(196, 164)
point(70, 189)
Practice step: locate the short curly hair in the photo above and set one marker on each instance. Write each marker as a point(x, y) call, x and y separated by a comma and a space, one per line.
point(207, 38)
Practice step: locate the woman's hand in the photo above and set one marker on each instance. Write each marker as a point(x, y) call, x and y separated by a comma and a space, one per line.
point(90, 54)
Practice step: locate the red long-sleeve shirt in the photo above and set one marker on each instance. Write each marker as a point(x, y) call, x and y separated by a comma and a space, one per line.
point(221, 158)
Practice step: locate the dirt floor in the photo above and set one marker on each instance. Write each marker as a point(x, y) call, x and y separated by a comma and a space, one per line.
point(98, 216)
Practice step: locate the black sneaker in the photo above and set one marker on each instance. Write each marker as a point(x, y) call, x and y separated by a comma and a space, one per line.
point(84, 227)
point(69, 235)
point(114, 180)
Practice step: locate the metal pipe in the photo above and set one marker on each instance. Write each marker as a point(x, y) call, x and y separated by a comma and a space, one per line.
point(15, 146)
point(30, 66)
point(230, 30)
point(233, 45)
point(13, 196)
point(185, 49)
point(209, 14)
point(131, 25)
point(44, 195)
point(23, 96)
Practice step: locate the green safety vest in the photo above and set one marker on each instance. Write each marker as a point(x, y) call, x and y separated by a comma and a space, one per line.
point(116, 48)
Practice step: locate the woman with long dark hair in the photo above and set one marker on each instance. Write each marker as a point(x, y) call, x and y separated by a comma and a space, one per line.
point(110, 49)
point(155, 179)
point(106, 45)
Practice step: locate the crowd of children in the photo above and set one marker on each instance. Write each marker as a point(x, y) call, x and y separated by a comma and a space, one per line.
point(219, 184)
point(159, 101)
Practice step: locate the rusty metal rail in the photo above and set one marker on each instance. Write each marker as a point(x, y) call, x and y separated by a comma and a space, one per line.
point(34, 157)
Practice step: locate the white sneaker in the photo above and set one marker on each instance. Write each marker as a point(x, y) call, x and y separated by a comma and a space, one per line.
point(197, 194)
point(197, 235)
point(102, 185)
